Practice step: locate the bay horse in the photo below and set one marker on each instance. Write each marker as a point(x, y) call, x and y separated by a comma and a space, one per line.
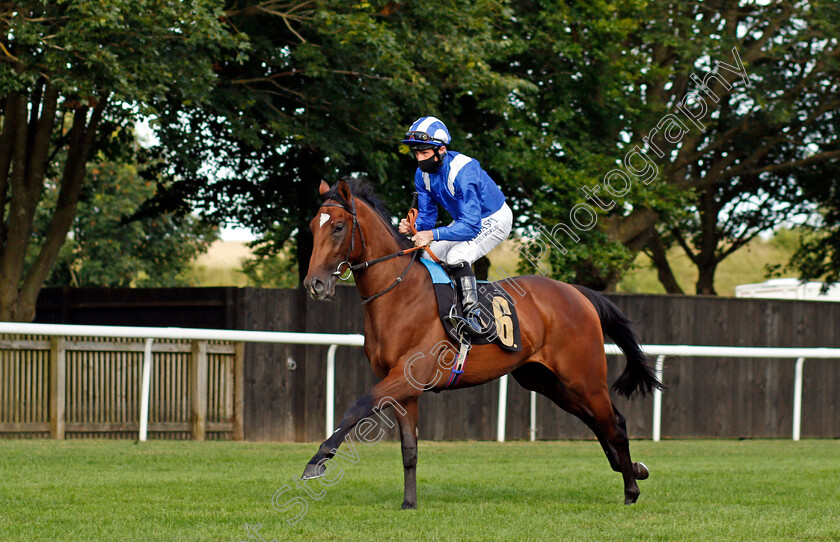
point(562, 335)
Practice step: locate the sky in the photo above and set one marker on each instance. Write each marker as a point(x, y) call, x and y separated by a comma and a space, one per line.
point(237, 234)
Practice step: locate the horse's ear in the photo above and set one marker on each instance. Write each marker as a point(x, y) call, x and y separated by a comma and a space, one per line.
point(324, 188)
point(344, 190)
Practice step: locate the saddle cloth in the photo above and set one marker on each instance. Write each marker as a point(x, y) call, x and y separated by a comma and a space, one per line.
point(497, 308)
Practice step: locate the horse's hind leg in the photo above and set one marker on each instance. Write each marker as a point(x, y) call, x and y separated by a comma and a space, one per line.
point(536, 377)
point(604, 412)
point(640, 471)
point(598, 413)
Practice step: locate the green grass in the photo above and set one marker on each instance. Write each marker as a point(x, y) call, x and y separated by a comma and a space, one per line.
point(166, 490)
point(745, 266)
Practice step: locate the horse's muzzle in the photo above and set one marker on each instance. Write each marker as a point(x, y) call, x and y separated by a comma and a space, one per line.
point(319, 288)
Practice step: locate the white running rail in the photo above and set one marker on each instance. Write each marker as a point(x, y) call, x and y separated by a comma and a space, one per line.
point(177, 333)
point(662, 350)
point(335, 339)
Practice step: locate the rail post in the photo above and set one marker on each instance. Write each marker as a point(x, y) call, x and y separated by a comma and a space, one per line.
point(330, 422)
point(533, 429)
point(797, 398)
point(500, 429)
point(58, 371)
point(198, 390)
point(145, 389)
point(657, 399)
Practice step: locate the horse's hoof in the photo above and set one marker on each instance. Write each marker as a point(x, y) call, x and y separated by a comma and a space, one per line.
point(642, 471)
point(630, 498)
point(409, 506)
point(313, 470)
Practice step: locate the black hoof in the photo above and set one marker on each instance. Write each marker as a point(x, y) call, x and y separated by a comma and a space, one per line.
point(641, 471)
point(409, 506)
point(313, 470)
point(631, 498)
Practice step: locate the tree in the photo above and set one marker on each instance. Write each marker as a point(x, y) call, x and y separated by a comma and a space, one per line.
point(614, 129)
point(818, 254)
point(692, 124)
point(750, 170)
point(327, 90)
point(564, 136)
point(104, 249)
point(71, 73)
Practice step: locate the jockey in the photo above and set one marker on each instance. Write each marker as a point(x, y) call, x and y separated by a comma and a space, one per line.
point(481, 218)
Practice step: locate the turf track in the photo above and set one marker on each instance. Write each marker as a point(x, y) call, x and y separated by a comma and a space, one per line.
point(168, 491)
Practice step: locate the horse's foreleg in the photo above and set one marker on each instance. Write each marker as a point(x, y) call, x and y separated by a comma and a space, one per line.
point(390, 392)
point(361, 409)
point(408, 438)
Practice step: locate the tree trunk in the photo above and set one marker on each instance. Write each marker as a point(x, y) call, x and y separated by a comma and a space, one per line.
point(627, 229)
point(663, 267)
point(68, 197)
point(30, 155)
point(17, 232)
point(311, 173)
point(706, 279)
point(706, 258)
point(19, 310)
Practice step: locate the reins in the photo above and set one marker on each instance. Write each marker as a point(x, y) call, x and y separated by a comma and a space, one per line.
point(393, 285)
point(412, 217)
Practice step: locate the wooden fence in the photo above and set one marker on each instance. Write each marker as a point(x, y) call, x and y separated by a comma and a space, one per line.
point(70, 388)
point(706, 397)
point(284, 385)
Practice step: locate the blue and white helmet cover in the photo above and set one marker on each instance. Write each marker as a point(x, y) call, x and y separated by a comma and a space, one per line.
point(434, 128)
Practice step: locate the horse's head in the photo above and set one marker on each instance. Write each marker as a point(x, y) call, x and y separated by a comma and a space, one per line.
point(337, 240)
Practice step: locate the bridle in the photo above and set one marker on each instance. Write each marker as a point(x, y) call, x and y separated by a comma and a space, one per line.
point(352, 211)
point(364, 265)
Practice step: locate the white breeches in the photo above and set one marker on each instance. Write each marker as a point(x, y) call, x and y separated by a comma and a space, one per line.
point(494, 229)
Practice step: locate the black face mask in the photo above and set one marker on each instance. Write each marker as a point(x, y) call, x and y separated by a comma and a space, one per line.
point(429, 165)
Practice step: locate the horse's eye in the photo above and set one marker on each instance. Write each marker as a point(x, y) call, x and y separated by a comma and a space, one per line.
point(339, 226)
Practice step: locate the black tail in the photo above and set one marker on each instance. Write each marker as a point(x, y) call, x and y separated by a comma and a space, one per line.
point(638, 377)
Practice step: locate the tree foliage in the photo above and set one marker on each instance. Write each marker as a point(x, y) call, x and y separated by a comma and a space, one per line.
point(70, 73)
point(573, 128)
point(612, 128)
point(327, 89)
point(582, 111)
point(761, 83)
point(753, 166)
point(104, 249)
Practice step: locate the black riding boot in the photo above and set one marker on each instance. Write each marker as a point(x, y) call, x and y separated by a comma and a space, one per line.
point(465, 280)
point(469, 295)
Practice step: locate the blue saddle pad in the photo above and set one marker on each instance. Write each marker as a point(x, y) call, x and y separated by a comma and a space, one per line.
point(437, 273)
point(493, 300)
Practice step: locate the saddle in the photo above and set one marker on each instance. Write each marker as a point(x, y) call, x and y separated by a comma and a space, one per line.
point(499, 323)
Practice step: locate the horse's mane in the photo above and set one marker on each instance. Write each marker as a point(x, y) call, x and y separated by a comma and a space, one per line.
point(362, 189)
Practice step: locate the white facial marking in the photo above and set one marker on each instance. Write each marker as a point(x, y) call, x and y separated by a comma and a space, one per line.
point(324, 218)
